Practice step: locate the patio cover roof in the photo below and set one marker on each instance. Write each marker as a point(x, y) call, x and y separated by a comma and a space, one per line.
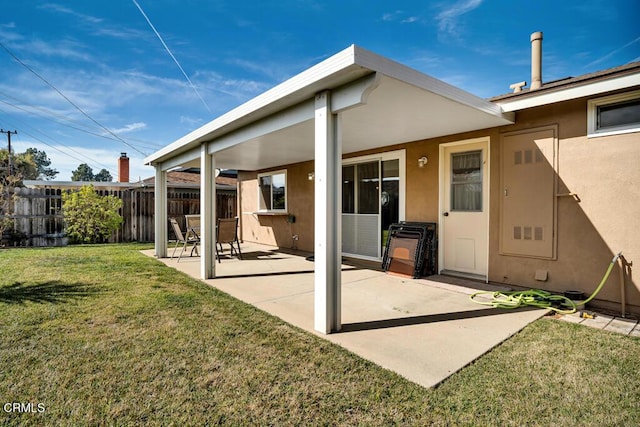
point(380, 103)
point(353, 101)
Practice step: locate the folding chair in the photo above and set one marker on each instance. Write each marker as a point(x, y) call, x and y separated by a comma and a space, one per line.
point(227, 232)
point(190, 238)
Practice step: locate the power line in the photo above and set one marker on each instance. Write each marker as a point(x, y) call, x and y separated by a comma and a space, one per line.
point(69, 101)
point(17, 107)
point(94, 163)
point(83, 157)
point(44, 113)
point(171, 54)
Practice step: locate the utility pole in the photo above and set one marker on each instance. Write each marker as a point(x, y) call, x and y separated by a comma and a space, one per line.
point(8, 132)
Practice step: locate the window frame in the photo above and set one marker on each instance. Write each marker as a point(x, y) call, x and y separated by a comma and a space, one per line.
point(259, 190)
point(593, 106)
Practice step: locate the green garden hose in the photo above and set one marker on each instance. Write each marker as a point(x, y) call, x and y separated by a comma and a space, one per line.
point(539, 298)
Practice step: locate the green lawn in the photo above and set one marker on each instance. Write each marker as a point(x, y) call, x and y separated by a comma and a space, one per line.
point(103, 335)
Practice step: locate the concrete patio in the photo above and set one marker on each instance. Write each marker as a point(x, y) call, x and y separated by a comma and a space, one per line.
point(423, 329)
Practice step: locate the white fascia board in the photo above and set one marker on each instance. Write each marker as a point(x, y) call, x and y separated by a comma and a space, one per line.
point(588, 89)
point(180, 159)
point(283, 119)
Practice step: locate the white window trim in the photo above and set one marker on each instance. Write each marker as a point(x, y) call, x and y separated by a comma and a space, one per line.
point(592, 115)
point(286, 203)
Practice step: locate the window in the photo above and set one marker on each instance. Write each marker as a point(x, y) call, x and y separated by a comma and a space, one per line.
point(614, 114)
point(466, 181)
point(272, 191)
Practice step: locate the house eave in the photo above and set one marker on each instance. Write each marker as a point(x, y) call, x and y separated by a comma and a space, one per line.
point(553, 95)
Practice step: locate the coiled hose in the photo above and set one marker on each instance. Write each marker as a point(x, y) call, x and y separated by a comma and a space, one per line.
point(539, 298)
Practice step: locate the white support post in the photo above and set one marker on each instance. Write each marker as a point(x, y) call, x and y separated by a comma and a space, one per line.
point(207, 214)
point(160, 207)
point(328, 238)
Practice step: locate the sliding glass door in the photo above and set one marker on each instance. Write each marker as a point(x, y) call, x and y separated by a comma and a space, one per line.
point(371, 193)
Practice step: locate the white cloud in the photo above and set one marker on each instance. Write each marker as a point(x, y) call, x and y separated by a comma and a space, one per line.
point(400, 16)
point(192, 122)
point(237, 89)
point(92, 20)
point(132, 127)
point(66, 49)
point(97, 26)
point(448, 18)
point(612, 53)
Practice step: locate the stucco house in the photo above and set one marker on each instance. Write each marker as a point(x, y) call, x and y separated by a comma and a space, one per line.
point(537, 188)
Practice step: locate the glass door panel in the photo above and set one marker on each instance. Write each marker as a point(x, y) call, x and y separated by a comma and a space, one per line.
point(361, 209)
point(368, 187)
point(390, 196)
point(370, 203)
point(348, 189)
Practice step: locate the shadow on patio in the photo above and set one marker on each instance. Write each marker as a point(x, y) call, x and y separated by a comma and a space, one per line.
point(423, 329)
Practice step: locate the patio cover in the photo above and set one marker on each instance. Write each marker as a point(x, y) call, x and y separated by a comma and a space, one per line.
point(353, 101)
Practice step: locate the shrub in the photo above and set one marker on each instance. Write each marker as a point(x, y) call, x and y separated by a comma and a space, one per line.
point(90, 217)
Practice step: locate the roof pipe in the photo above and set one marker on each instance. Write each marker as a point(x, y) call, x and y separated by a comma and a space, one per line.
point(536, 60)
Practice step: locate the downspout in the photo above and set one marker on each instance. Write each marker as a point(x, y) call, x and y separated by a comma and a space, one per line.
point(536, 60)
point(625, 269)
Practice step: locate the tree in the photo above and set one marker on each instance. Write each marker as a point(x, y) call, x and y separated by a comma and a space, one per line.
point(83, 173)
point(89, 217)
point(22, 166)
point(103, 175)
point(42, 163)
point(7, 198)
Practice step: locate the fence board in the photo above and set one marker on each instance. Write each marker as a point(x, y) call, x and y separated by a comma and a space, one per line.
point(38, 213)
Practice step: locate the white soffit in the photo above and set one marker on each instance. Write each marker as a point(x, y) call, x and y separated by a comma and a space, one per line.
point(395, 112)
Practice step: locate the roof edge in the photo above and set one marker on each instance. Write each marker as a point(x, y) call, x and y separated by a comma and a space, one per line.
point(622, 77)
point(343, 67)
point(250, 110)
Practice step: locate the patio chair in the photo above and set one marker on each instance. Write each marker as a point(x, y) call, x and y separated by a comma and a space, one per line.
point(227, 232)
point(193, 223)
point(191, 237)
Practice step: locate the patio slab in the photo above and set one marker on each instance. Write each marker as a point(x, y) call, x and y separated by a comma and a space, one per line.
point(621, 326)
point(424, 330)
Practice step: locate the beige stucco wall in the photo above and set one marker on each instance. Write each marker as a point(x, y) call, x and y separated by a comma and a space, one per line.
point(604, 172)
point(277, 230)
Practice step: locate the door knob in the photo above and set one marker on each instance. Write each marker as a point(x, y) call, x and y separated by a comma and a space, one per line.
point(446, 214)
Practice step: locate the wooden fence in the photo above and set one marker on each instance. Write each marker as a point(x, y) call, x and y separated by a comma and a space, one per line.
point(39, 219)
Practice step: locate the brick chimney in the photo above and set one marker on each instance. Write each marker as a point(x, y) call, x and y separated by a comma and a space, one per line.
point(123, 168)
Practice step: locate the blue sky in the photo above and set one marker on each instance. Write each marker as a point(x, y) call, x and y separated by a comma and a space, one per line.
point(87, 80)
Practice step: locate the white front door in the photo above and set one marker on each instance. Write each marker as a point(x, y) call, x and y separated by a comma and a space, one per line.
point(464, 207)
